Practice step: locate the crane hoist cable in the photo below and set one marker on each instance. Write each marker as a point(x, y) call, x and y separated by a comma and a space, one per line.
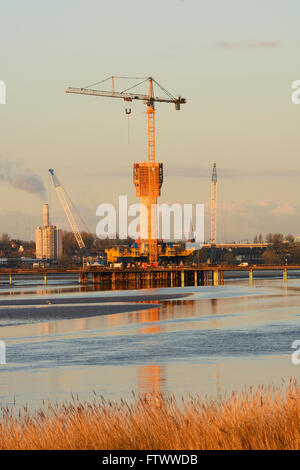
point(128, 113)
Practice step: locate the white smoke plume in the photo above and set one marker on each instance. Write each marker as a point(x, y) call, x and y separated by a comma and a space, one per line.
point(21, 178)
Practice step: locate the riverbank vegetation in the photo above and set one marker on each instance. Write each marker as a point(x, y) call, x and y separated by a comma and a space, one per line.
point(265, 418)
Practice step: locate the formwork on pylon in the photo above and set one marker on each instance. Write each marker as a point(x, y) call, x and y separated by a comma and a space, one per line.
point(148, 179)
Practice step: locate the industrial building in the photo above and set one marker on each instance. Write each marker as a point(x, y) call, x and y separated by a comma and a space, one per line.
point(48, 239)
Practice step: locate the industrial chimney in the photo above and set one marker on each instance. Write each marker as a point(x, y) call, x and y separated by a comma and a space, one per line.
point(48, 239)
point(46, 215)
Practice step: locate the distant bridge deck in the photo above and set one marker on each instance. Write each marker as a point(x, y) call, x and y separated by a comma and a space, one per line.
point(207, 267)
point(172, 276)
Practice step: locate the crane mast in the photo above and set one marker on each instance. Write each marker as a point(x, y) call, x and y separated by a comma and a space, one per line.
point(147, 176)
point(214, 206)
point(66, 207)
point(151, 124)
point(154, 182)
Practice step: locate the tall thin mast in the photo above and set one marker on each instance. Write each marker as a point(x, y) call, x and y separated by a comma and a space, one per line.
point(214, 206)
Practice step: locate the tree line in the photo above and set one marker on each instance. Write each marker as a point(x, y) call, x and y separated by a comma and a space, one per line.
point(274, 238)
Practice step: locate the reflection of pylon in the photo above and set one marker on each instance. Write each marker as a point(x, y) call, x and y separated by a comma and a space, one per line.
point(149, 316)
point(214, 206)
point(217, 367)
point(150, 376)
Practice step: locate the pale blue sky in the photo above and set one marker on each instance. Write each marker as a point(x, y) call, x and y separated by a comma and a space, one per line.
point(233, 60)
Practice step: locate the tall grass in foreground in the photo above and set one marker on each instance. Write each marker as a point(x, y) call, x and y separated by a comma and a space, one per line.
point(266, 418)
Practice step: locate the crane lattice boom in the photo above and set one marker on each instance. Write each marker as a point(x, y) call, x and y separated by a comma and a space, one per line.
point(66, 207)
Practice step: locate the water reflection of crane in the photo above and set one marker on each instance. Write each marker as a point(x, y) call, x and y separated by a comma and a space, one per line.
point(217, 367)
point(150, 376)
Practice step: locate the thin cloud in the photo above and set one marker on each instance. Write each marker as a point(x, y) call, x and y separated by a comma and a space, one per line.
point(201, 171)
point(248, 208)
point(284, 209)
point(198, 172)
point(246, 45)
point(205, 172)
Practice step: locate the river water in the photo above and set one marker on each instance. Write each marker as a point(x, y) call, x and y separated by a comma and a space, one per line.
point(210, 340)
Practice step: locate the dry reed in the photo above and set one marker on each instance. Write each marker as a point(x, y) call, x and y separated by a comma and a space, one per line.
point(265, 418)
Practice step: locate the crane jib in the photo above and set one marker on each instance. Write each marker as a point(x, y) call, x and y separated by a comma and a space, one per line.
point(124, 96)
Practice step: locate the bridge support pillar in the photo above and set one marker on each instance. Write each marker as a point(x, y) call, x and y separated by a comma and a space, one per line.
point(182, 278)
point(113, 280)
point(285, 275)
point(83, 278)
point(250, 277)
point(95, 278)
point(215, 278)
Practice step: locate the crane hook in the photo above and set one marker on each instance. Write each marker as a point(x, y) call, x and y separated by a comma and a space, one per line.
point(128, 112)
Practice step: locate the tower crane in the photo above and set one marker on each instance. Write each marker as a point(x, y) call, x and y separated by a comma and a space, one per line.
point(62, 196)
point(147, 176)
